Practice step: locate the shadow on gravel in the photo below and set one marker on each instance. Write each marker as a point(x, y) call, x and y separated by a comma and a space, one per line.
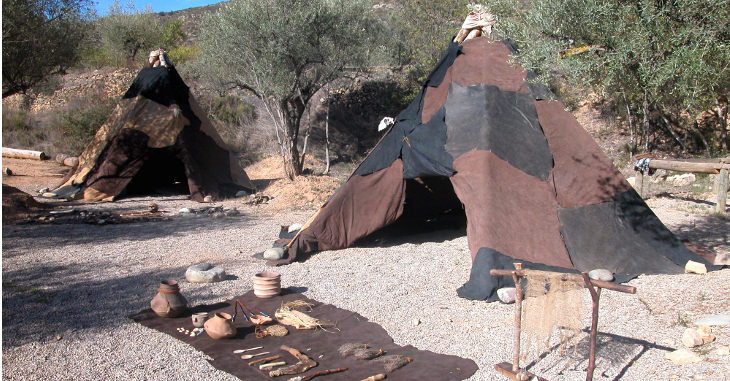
point(63, 235)
point(707, 231)
point(40, 304)
point(614, 356)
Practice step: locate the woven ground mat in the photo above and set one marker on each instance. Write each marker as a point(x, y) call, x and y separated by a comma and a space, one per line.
point(320, 345)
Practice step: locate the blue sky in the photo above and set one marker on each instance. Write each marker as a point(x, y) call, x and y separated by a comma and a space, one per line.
point(102, 6)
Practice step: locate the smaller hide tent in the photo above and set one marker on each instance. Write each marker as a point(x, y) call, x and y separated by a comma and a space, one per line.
point(534, 186)
point(157, 136)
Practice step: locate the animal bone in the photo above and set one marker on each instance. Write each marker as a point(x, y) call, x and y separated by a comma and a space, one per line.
point(304, 364)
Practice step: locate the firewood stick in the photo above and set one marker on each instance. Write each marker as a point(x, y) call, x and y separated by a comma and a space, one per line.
point(320, 373)
point(264, 360)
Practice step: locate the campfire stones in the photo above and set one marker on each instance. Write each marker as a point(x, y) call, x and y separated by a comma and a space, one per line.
point(266, 284)
point(205, 273)
point(274, 253)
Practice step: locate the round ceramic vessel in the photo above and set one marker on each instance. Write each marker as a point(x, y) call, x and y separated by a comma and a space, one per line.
point(168, 302)
point(220, 326)
point(267, 284)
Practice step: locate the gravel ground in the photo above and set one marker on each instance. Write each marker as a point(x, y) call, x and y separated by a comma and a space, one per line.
point(68, 289)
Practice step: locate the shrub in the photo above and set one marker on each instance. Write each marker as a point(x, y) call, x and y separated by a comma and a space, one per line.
point(19, 131)
point(78, 125)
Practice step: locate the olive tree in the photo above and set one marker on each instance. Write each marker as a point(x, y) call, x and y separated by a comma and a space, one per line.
point(40, 38)
point(665, 62)
point(284, 51)
point(126, 31)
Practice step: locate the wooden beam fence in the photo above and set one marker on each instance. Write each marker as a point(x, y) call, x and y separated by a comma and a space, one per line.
point(719, 167)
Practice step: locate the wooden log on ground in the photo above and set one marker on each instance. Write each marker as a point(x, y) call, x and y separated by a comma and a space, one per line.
point(23, 154)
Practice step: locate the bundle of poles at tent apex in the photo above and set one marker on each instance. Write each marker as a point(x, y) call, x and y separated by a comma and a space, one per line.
point(513, 370)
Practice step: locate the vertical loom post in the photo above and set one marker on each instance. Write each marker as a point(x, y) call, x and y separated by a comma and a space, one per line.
point(518, 318)
point(596, 296)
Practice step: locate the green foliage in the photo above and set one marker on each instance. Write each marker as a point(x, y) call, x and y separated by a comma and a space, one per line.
point(284, 51)
point(426, 27)
point(182, 54)
point(232, 110)
point(668, 60)
point(172, 35)
point(40, 38)
point(78, 125)
point(127, 31)
point(18, 129)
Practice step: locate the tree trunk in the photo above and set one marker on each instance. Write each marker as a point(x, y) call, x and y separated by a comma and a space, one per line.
point(674, 133)
point(631, 126)
point(723, 126)
point(327, 135)
point(646, 123)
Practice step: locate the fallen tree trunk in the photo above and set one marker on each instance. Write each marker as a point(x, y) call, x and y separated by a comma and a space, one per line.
point(23, 154)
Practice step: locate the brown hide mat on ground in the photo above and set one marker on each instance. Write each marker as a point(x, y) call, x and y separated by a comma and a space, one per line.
point(320, 345)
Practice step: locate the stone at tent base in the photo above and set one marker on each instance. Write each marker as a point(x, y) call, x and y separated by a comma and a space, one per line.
point(695, 267)
point(722, 259)
point(507, 294)
point(273, 254)
point(682, 356)
point(205, 273)
point(601, 274)
point(696, 337)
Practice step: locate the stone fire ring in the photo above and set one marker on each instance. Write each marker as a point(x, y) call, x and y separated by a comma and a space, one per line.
point(205, 273)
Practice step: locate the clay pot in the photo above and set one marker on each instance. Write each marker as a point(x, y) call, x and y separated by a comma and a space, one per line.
point(168, 302)
point(199, 319)
point(266, 284)
point(220, 326)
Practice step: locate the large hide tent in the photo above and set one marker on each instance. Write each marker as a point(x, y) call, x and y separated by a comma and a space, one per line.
point(533, 184)
point(158, 136)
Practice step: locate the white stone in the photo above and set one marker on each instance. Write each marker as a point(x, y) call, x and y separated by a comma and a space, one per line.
point(683, 356)
point(207, 199)
point(294, 227)
point(691, 338)
point(507, 294)
point(723, 351)
point(683, 180)
point(601, 274)
point(416, 321)
point(693, 267)
point(184, 210)
point(241, 194)
point(632, 181)
point(205, 273)
point(273, 254)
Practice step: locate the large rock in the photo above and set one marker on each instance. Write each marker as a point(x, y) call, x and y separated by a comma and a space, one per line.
point(682, 356)
point(205, 273)
point(696, 337)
